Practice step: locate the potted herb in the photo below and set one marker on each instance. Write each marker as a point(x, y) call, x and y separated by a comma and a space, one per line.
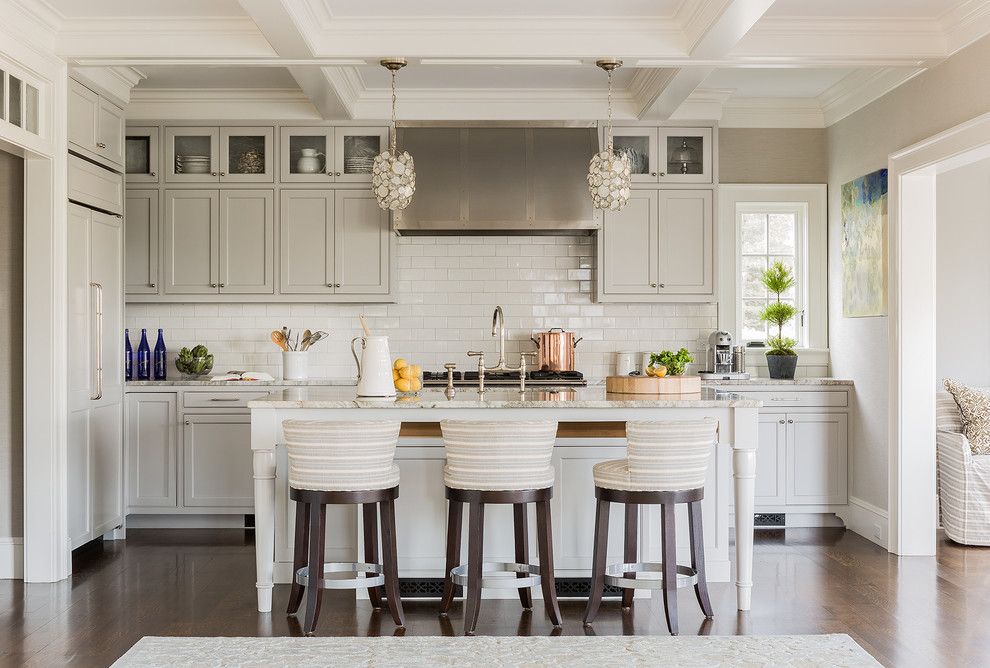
point(781, 358)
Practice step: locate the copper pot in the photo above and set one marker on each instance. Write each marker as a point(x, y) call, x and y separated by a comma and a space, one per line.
point(556, 348)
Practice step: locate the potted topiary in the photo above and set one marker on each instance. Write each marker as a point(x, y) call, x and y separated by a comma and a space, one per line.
point(781, 358)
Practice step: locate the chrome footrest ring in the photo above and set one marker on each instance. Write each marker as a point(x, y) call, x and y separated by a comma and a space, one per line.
point(615, 575)
point(373, 577)
point(458, 575)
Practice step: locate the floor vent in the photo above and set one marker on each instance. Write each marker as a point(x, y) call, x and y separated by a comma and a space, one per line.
point(768, 519)
point(433, 588)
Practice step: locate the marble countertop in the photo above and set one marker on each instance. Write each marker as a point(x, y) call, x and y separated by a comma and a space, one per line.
point(278, 382)
point(582, 397)
point(786, 383)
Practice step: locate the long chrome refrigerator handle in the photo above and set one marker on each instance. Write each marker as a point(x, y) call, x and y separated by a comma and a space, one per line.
point(99, 341)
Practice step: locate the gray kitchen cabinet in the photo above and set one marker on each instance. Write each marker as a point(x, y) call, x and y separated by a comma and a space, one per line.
point(354, 151)
point(95, 126)
point(247, 242)
point(686, 242)
point(666, 155)
point(192, 239)
point(142, 159)
point(141, 234)
point(219, 242)
point(817, 454)
point(247, 154)
point(217, 461)
point(659, 247)
point(192, 154)
point(306, 155)
point(771, 453)
point(307, 239)
point(333, 242)
point(152, 449)
point(361, 244)
point(628, 246)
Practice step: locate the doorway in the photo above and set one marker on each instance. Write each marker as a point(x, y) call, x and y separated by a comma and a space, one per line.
point(912, 237)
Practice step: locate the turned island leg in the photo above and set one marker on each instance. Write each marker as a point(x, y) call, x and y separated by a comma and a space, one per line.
point(745, 435)
point(263, 439)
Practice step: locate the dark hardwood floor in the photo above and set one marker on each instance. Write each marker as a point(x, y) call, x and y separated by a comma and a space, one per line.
point(906, 612)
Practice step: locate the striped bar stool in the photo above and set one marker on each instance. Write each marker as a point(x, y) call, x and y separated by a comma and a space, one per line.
point(498, 462)
point(337, 463)
point(667, 463)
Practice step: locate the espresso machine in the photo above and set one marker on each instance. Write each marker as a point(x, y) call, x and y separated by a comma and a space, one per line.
point(724, 361)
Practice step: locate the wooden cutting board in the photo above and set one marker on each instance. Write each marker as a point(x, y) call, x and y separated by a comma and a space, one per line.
point(650, 385)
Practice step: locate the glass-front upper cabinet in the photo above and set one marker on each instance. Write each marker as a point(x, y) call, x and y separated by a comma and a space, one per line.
point(685, 155)
point(640, 144)
point(141, 156)
point(355, 149)
point(304, 154)
point(246, 155)
point(192, 154)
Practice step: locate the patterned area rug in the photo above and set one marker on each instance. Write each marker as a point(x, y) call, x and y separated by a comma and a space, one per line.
point(427, 651)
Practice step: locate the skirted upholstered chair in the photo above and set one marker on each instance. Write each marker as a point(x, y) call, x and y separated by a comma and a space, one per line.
point(963, 478)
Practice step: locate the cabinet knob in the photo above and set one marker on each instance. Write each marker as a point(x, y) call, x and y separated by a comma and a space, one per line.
point(790, 422)
point(213, 285)
point(223, 285)
point(781, 422)
point(336, 173)
point(662, 285)
point(213, 173)
point(152, 285)
point(188, 422)
point(100, 144)
point(653, 285)
point(153, 174)
point(336, 285)
point(329, 285)
point(223, 173)
point(653, 173)
point(330, 173)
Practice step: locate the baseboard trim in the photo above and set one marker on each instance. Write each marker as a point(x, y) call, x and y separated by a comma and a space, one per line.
point(867, 520)
point(11, 558)
point(205, 521)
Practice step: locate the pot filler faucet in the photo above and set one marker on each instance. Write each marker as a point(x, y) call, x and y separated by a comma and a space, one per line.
point(498, 329)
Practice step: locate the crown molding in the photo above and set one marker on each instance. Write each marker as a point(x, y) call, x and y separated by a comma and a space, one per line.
point(695, 17)
point(33, 23)
point(705, 104)
point(348, 85)
point(860, 88)
point(965, 23)
point(647, 85)
point(226, 103)
point(115, 82)
point(772, 112)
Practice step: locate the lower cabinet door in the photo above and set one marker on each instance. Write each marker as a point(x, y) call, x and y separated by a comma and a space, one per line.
point(817, 452)
point(152, 450)
point(770, 460)
point(217, 462)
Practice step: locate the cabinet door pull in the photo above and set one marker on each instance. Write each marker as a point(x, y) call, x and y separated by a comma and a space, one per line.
point(213, 285)
point(662, 285)
point(188, 423)
point(98, 313)
point(663, 173)
point(781, 422)
point(224, 399)
point(653, 173)
point(100, 144)
point(152, 285)
point(790, 422)
point(653, 285)
point(337, 174)
point(154, 175)
point(223, 285)
point(213, 173)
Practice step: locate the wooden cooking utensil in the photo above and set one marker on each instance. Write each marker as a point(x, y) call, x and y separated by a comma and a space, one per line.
point(364, 325)
point(278, 338)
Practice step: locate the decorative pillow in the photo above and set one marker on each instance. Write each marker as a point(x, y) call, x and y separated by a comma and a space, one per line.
point(975, 408)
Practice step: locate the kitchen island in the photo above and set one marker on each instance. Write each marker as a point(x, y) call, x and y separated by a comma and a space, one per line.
point(591, 429)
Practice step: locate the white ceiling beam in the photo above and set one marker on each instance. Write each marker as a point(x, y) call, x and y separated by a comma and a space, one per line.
point(711, 32)
point(282, 28)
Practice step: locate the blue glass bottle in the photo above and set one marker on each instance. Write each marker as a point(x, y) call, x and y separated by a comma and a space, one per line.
point(128, 357)
point(144, 357)
point(159, 359)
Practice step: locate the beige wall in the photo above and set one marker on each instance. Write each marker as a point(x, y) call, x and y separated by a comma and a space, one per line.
point(11, 332)
point(962, 239)
point(952, 92)
point(772, 155)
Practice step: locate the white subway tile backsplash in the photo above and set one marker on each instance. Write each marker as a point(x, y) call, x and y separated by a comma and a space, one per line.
point(447, 289)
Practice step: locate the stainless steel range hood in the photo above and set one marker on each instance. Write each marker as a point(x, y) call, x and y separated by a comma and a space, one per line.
point(504, 178)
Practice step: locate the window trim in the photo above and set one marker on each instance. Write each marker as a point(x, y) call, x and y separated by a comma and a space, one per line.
point(800, 211)
point(815, 249)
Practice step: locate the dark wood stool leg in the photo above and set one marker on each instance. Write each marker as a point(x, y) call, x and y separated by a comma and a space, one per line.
point(521, 524)
point(314, 592)
point(476, 537)
point(698, 557)
point(668, 540)
point(371, 548)
point(299, 555)
point(391, 561)
point(598, 562)
point(630, 551)
point(454, 514)
point(545, 537)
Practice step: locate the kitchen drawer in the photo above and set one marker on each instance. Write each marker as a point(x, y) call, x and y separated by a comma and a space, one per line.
point(224, 400)
point(815, 399)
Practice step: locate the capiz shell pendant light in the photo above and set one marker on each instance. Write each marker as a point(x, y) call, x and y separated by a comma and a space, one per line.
point(609, 174)
point(393, 176)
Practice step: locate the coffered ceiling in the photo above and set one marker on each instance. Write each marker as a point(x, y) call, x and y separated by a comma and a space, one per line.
point(803, 63)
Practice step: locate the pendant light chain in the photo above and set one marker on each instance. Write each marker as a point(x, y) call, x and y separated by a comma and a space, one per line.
point(609, 127)
point(392, 142)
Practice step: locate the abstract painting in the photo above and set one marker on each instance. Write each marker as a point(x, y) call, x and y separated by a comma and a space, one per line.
point(864, 246)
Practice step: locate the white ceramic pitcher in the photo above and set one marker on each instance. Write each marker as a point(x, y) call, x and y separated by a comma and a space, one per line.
point(374, 367)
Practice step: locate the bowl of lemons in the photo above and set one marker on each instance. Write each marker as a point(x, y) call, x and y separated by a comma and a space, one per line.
point(408, 378)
